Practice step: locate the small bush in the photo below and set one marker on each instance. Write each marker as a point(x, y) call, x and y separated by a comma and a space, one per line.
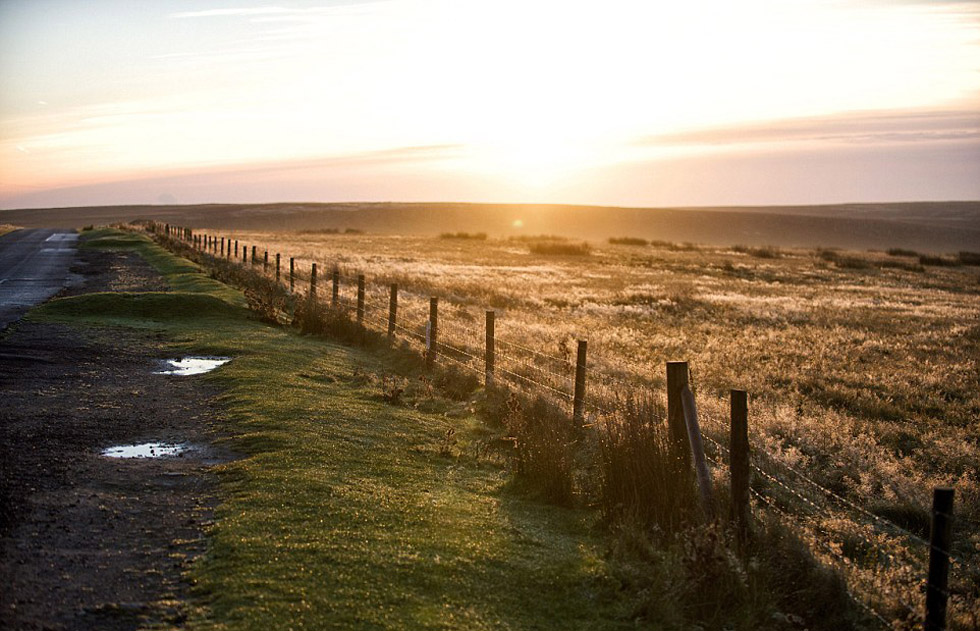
point(765, 252)
point(628, 241)
point(526, 238)
point(968, 258)
point(901, 252)
point(675, 247)
point(321, 231)
point(842, 261)
point(560, 249)
point(477, 236)
point(937, 261)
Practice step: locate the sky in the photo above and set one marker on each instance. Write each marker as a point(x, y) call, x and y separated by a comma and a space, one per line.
point(619, 102)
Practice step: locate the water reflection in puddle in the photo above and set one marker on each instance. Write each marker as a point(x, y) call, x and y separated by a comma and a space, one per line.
point(192, 365)
point(145, 450)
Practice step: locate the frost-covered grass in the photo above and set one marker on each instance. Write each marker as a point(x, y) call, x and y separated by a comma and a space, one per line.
point(862, 368)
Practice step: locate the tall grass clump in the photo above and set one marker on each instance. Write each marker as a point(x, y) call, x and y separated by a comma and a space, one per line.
point(937, 261)
point(765, 252)
point(628, 241)
point(474, 236)
point(901, 252)
point(560, 249)
point(641, 481)
point(968, 258)
point(544, 442)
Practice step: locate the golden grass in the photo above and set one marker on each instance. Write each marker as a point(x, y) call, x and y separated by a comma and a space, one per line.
point(862, 371)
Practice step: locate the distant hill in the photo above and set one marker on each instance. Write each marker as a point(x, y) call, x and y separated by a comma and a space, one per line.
point(926, 226)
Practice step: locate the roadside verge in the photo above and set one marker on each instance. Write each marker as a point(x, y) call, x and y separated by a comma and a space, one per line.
point(348, 511)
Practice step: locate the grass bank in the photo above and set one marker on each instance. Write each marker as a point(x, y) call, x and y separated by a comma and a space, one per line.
point(346, 511)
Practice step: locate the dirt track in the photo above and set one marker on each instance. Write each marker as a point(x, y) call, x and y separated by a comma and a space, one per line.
point(90, 542)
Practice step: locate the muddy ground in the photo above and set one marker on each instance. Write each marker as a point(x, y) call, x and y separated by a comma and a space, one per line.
point(86, 541)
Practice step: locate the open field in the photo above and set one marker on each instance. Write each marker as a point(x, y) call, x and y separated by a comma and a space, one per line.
point(938, 227)
point(862, 367)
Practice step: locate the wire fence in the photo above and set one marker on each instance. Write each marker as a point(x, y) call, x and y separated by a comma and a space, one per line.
point(877, 556)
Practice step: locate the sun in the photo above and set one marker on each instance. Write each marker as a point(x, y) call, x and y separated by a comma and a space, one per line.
point(535, 159)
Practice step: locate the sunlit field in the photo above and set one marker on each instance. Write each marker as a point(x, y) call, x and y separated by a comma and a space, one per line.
point(861, 367)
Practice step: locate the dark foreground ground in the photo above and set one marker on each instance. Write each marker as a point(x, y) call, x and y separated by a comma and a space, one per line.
point(89, 542)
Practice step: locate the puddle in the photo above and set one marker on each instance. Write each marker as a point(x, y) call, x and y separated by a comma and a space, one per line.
point(145, 450)
point(191, 365)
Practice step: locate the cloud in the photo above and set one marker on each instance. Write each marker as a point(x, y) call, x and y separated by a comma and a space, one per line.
point(852, 128)
point(269, 13)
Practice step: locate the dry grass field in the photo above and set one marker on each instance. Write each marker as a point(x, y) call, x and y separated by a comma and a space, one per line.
point(861, 366)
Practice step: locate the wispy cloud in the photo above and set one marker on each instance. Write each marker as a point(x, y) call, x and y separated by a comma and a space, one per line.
point(859, 128)
point(271, 13)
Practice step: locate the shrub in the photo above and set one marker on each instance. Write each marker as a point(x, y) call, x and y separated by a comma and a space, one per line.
point(628, 241)
point(901, 252)
point(968, 258)
point(478, 236)
point(560, 249)
point(526, 238)
point(765, 252)
point(937, 261)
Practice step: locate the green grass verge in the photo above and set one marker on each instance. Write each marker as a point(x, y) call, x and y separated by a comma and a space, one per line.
point(345, 511)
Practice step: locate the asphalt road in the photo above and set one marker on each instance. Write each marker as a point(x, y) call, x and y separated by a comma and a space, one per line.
point(33, 267)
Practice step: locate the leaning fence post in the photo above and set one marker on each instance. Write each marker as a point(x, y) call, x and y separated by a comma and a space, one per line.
point(697, 452)
point(432, 333)
point(360, 298)
point(313, 282)
point(490, 349)
point(292, 274)
point(392, 309)
point(938, 581)
point(677, 378)
point(578, 401)
point(739, 462)
point(335, 295)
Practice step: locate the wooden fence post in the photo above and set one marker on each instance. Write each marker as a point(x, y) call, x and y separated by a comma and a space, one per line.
point(222, 247)
point(938, 581)
point(360, 299)
point(278, 266)
point(236, 248)
point(392, 309)
point(697, 452)
point(432, 333)
point(265, 262)
point(677, 378)
point(244, 254)
point(313, 282)
point(292, 274)
point(254, 248)
point(335, 296)
point(489, 358)
point(578, 401)
point(739, 462)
